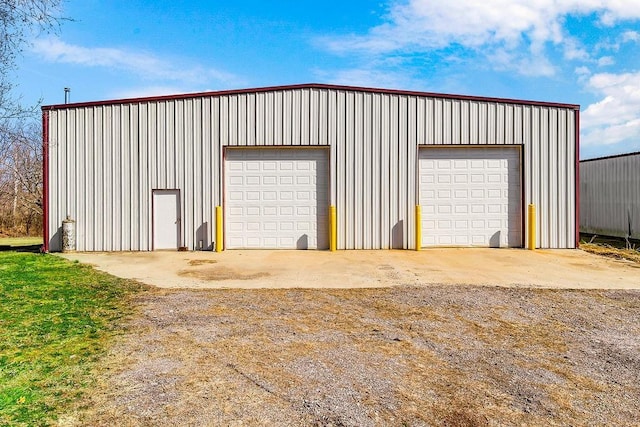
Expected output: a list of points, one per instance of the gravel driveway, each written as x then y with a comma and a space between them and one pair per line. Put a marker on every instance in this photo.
431, 355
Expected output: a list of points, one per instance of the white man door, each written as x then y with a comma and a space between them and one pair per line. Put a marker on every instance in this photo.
166, 219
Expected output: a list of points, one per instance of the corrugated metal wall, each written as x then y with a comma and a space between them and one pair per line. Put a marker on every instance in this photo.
610, 196
105, 160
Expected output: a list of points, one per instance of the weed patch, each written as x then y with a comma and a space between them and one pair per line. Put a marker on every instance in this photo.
604, 249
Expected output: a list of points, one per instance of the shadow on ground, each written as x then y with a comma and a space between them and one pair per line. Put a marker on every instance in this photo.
27, 248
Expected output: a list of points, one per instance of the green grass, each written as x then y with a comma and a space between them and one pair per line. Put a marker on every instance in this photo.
56, 319
20, 241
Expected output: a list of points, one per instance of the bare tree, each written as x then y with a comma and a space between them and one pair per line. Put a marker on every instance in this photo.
19, 21
20, 141
21, 180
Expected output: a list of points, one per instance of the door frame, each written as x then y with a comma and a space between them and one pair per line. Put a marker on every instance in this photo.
175, 191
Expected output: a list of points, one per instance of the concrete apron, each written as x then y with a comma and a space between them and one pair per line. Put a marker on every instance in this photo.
250, 269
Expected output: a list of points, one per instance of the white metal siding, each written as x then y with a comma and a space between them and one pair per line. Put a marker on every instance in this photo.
610, 196
105, 160
276, 198
471, 196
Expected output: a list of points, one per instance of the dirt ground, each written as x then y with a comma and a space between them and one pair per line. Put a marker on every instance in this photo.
368, 269
400, 356
407, 345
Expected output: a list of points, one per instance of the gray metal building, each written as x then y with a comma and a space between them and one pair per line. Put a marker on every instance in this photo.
146, 174
610, 196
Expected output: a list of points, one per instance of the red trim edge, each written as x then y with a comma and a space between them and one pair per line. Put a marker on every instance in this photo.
45, 180
577, 154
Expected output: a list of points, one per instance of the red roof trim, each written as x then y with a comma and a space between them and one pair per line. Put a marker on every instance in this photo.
307, 86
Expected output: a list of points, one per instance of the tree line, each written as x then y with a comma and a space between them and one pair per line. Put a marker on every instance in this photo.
20, 130
21, 178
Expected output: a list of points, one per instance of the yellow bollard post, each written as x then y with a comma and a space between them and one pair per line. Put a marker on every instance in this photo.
531, 232
418, 227
219, 244
333, 232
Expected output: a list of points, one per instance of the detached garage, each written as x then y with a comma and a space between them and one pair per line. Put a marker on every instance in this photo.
308, 166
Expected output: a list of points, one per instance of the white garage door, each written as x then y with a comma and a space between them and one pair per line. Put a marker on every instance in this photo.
471, 196
276, 198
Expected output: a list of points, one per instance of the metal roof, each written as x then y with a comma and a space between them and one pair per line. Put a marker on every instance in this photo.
309, 86
611, 157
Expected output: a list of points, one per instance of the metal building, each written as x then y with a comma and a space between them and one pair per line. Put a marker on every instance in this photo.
610, 196
147, 174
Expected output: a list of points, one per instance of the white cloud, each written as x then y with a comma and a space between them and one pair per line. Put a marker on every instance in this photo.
535, 65
614, 45
368, 77
606, 60
145, 91
144, 64
582, 71
630, 36
616, 117
573, 50
521, 28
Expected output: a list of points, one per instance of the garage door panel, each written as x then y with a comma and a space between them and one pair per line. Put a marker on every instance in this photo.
285, 207
470, 196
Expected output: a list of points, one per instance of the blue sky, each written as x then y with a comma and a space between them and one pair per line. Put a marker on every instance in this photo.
583, 52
